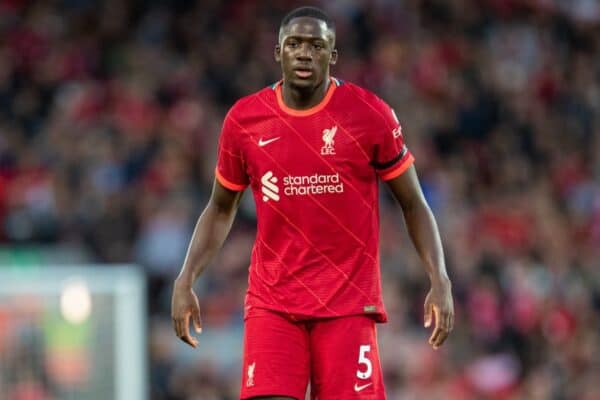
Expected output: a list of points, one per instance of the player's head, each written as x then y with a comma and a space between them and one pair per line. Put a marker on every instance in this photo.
306, 47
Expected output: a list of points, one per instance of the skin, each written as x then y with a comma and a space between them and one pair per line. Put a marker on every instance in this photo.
307, 44
424, 234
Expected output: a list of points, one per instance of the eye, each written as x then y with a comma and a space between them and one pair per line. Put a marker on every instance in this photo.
318, 46
293, 44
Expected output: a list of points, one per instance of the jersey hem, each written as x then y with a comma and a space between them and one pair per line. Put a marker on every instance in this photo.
379, 316
229, 185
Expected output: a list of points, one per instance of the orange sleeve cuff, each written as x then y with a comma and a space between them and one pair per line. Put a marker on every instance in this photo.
229, 185
399, 169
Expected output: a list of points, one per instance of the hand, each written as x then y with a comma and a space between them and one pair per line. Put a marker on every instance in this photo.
184, 305
439, 303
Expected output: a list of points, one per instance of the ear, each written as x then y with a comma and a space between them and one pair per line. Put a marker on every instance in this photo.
334, 57
277, 53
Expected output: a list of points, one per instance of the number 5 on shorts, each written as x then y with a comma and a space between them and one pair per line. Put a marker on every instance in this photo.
362, 359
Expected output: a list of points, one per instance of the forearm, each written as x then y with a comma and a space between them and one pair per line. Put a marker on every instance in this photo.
425, 236
210, 232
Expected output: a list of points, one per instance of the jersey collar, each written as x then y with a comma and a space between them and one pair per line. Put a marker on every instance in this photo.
333, 84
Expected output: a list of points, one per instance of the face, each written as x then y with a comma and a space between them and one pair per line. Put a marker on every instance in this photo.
305, 52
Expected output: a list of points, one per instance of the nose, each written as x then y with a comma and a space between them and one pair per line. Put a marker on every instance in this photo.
304, 52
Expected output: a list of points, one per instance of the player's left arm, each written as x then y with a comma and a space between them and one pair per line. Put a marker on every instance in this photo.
426, 239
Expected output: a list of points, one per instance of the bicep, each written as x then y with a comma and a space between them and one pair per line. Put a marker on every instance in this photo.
226, 201
406, 188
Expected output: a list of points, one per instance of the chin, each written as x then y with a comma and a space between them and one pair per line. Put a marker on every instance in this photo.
303, 83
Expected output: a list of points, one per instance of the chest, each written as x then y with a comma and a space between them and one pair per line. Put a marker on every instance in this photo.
304, 146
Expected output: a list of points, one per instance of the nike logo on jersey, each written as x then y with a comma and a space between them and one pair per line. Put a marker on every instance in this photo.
262, 142
362, 387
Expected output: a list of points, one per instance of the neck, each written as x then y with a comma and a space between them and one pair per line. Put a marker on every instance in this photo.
304, 98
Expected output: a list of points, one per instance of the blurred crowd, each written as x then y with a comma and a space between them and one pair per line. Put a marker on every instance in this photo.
110, 113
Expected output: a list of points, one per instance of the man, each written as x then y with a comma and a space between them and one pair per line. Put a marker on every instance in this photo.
312, 147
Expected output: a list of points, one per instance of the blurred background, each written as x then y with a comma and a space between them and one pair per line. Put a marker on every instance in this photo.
110, 113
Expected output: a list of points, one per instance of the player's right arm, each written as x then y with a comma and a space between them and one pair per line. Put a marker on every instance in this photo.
212, 227
211, 230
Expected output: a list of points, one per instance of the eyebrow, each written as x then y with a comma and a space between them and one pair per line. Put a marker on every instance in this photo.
328, 38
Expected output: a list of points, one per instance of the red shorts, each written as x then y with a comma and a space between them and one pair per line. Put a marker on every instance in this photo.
338, 356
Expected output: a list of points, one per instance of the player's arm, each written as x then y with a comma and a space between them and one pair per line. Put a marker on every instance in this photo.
209, 234
426, 238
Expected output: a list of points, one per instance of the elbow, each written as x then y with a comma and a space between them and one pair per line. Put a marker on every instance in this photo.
415, 204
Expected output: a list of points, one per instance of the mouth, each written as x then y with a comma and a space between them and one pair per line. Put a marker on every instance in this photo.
303, 73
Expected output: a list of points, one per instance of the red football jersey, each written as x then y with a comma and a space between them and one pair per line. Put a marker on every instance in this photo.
314, 177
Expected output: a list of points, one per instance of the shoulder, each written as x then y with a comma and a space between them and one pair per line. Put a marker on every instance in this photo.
373, 105
359, 93
250, 104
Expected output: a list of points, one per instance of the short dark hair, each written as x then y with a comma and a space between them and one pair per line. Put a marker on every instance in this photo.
312, 12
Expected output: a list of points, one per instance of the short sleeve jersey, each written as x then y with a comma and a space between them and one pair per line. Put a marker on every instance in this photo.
314, 175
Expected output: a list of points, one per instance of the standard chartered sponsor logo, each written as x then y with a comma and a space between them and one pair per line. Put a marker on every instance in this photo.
269, 187
301, 185
312, 184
